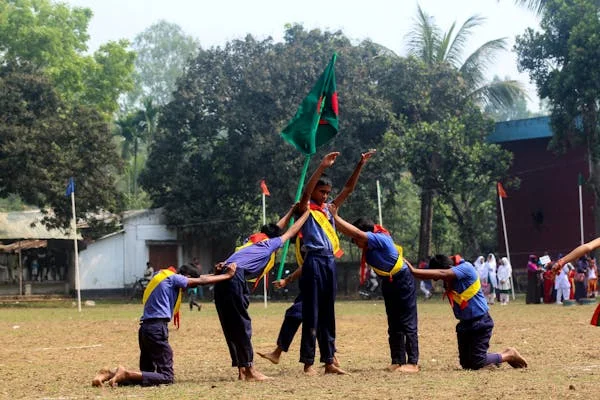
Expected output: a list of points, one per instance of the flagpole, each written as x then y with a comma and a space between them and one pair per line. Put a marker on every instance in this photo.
580, 207
297, 199
74, 230
379, 202
512, 284
266, 277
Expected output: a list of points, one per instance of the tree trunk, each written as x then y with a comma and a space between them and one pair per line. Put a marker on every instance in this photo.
426, 224
466, 226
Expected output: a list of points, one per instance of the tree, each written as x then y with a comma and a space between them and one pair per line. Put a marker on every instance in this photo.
220, 134
518, 110
52, 37
163, 51
562, 60
44, 141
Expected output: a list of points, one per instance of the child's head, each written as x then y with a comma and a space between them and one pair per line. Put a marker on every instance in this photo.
271, 230
364, 224
189, 271
322, 190
440, 261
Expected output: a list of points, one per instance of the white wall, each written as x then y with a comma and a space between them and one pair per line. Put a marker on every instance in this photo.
101, 264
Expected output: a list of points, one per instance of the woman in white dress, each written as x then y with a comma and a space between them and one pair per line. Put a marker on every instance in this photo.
504, 280
490, 265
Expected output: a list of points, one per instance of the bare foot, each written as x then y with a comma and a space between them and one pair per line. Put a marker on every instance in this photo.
309, 370
513, 358
272, 356
119, 376
332, 369
241, 375
102, 376
253, 375
408, 368
392, 367
336, 362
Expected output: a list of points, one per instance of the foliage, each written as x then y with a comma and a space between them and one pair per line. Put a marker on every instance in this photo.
44, 141
518, 109
220, 134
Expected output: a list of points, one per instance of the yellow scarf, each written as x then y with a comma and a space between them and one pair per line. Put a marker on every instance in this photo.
321, 219
256, 238
462, 299
397, 267
154, 282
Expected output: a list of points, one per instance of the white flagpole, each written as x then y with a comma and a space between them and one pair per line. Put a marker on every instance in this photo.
379, 202
581, 212
265, 278
74, 230
512, 283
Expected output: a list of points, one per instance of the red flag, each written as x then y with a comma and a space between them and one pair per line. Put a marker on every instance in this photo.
265, 189
594, 320
501, 191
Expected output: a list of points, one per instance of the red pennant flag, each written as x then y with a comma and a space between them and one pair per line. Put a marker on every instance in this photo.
501, 191
265, 189
594, 320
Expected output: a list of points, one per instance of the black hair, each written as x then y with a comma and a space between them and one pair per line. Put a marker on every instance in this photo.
271, 230
440, 261
364, 224
189, 270
324, 180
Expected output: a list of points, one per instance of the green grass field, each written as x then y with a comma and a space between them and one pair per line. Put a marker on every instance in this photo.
51, 351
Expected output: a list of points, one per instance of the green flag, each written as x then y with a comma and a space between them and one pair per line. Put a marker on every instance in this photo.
316, 121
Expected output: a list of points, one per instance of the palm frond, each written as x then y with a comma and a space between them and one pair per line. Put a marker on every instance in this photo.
536, 6
473, 69
499, 94
455, 50
423, 38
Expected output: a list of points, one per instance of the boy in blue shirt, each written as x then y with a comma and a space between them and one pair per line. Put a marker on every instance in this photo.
474, 329
232, 296
162, 298
397, 287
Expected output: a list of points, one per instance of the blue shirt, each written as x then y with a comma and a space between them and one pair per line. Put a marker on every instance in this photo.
252, 259
465, 276
381, 251
162, 300
313, 236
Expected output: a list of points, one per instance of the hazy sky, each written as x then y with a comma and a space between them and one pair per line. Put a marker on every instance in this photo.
214, 22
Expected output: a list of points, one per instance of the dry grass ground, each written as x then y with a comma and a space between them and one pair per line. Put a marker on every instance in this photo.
52, 352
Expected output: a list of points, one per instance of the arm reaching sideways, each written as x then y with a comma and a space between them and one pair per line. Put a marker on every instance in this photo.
327, 162
576, 253
281, 283
360, 237
294, 229
286, 218
435, 274
351, 182
210, 279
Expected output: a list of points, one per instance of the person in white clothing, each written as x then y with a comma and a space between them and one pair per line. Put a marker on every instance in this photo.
503, 275
490, 266
562, 284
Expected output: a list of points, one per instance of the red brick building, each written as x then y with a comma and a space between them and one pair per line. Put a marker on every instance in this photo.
542, 214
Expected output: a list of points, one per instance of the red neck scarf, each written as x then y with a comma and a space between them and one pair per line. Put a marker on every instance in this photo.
257, 237
363, 258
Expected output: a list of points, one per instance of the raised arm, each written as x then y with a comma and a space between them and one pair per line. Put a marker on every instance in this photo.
286, 218
576, 253
327, 162
351, 182
211, 279
294, 229
360, 237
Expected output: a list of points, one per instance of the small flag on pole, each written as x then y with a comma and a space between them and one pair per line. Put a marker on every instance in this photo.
501, 191
264, 188
70, 187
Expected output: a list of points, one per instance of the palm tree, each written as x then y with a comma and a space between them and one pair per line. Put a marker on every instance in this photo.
534, 5
427, 42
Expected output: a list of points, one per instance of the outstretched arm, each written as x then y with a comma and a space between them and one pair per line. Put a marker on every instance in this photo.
210, 279
351, 182
576, 253
286, 218
444, 274
360, 237
327, 162
294, 229
281, 283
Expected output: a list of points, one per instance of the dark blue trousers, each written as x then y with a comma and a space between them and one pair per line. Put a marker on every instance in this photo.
290, 325
401, 308
474, 341
156, 355
318, 285
231, 301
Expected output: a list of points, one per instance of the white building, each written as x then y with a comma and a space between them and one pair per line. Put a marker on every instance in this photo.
117, 260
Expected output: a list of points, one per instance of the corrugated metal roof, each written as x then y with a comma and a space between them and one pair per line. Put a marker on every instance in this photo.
18, 225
